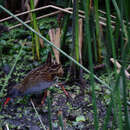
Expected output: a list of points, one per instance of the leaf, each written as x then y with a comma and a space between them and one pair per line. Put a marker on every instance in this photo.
80, 118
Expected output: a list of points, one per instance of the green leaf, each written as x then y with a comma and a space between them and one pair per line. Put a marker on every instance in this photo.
80, 118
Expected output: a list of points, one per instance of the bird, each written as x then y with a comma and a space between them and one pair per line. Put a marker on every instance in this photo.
37, 80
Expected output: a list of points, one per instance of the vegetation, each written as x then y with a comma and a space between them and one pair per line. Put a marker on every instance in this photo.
95, 57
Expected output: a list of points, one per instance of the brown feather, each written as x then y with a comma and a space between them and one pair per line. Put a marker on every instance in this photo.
38, 79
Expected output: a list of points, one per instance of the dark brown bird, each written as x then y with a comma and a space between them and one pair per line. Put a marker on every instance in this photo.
37, 80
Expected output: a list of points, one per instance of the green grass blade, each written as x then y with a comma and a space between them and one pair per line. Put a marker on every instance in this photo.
124, 49
34, 21
60, 118
88, 40
76, 30
98, 39
116, 93
110, 29
9, 75
49, 111
108, 113
120, 18
75, 34
64, 30
127, 120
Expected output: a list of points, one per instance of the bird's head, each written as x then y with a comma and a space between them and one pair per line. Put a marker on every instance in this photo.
53, 68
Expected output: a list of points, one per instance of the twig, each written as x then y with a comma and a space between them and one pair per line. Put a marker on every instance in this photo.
119, 67
38, 18
38, 115
66, 10
7, 127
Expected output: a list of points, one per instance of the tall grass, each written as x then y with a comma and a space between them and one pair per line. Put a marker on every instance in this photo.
35, 38
118, 101
98, 38
75, 28
88, 40
116, 105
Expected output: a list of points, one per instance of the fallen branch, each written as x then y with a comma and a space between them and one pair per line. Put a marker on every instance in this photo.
117, 64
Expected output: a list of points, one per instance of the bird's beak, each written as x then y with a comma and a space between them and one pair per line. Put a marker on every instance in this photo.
7, 100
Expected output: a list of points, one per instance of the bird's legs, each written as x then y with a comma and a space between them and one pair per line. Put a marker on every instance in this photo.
44, 97
62, 87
